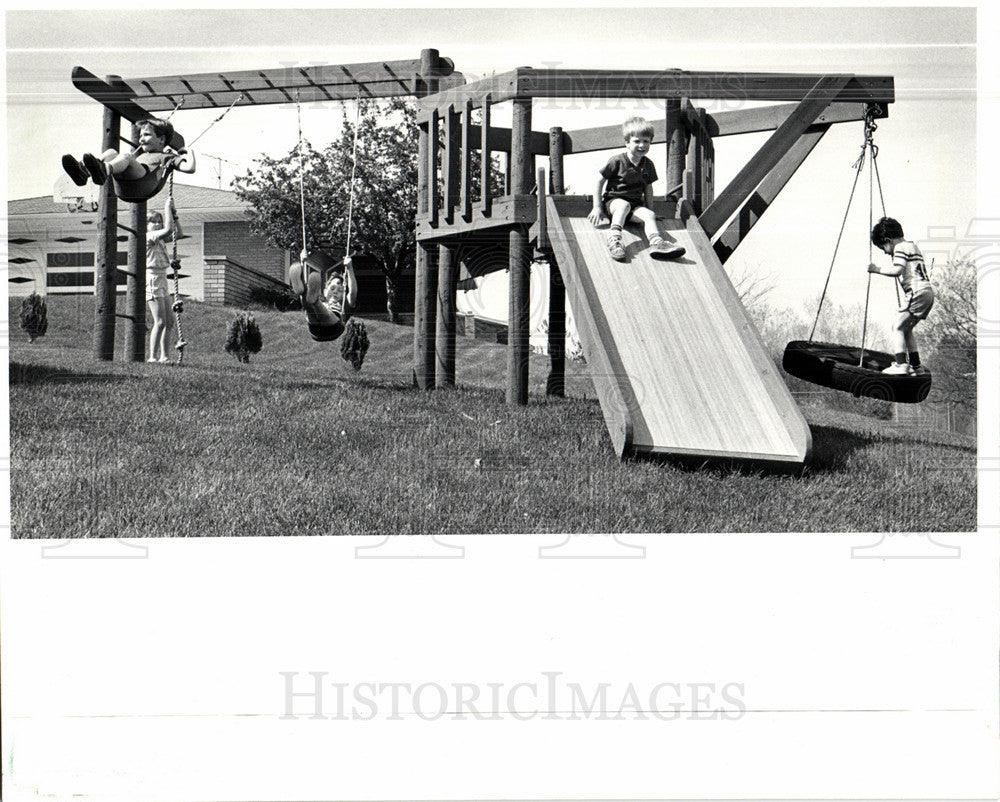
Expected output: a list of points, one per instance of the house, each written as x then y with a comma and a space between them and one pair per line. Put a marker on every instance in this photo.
52, 246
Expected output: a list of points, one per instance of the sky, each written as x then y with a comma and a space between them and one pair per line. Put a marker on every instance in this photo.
928, 146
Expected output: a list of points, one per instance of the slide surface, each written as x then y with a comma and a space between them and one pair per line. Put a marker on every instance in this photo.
676, 362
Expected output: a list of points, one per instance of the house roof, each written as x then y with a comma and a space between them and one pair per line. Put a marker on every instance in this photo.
187, 197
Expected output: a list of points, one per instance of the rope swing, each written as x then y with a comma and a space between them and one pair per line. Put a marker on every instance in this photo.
175, 265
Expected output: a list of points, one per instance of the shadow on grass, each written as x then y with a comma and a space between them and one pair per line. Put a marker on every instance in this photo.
47, 374
833, 447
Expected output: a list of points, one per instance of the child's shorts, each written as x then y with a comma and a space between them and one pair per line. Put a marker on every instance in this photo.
634, 204
156, 286
920, 303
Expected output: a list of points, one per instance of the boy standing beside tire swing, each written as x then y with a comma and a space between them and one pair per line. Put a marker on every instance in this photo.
909, 268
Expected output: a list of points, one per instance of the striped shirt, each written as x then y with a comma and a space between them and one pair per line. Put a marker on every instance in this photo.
908, 265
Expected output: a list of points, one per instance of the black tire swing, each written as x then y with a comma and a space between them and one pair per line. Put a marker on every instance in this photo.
855, 370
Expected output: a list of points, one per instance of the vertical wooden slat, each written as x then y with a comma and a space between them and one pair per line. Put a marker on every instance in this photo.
452, 162
466, 179
433, 144
486, 167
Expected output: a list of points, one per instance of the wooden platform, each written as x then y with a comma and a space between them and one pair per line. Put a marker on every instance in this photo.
676, 361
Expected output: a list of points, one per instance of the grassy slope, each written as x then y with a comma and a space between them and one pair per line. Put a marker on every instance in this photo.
297, 443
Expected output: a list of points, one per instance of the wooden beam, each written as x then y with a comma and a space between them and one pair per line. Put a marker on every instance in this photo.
330, 82
764, 196
673, 83
779, 143
497, 88
117, 99
768, 118
726, 123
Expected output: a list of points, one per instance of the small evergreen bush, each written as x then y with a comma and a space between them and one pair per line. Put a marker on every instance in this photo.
34, 316
244, 337
354, 345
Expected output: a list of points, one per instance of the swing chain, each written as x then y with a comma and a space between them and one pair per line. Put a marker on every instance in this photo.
871, 111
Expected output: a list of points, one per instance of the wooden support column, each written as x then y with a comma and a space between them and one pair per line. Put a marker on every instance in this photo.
676, 134
135, 293
556, 154
426, 278
444, 371
105, 287
555, 383
521, 165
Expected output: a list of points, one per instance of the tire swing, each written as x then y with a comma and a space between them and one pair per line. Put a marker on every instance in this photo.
851, 369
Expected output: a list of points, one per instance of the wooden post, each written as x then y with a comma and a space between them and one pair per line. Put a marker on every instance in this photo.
425, 279
444, 375
555, 383
452, 162
106, 270
521, 165
135, 292
556, 181
676, 147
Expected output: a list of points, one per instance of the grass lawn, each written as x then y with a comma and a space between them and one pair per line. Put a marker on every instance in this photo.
298, 443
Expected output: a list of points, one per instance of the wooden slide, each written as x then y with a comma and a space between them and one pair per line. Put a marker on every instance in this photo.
677, 364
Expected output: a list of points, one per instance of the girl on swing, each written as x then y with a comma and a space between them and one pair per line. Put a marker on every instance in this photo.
137, 174
909, 268
328, 296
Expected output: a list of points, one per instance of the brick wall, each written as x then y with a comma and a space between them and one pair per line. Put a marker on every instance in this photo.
228, 282
234, 240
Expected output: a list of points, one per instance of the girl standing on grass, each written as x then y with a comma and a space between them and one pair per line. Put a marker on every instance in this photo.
159, 228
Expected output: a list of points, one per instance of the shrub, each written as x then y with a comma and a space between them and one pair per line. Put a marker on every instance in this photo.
354, 345
244, 337
280, 298
34, 317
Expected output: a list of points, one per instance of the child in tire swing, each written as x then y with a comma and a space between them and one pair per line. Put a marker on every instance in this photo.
909, 268
625, 189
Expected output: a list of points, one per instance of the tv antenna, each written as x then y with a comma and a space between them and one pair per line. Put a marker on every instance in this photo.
218, 165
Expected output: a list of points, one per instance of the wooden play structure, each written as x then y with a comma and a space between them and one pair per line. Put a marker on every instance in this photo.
676, 362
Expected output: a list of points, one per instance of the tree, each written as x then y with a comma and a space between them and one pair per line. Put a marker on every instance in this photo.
384, 191
951, 332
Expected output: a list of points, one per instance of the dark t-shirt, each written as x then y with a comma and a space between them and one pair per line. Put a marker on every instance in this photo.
627, 180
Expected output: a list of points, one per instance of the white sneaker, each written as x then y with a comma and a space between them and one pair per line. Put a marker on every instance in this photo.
898, 369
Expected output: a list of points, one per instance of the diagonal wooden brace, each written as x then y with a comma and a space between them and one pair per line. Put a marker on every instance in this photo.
763, 196
780, 142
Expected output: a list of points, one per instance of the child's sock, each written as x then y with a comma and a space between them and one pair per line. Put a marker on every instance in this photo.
900, 358
655, 240
614, 231
915, 359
